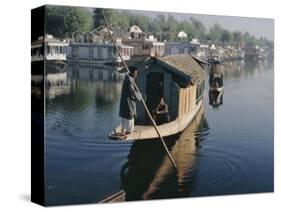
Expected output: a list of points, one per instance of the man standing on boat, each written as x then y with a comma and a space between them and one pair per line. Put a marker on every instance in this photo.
129, 96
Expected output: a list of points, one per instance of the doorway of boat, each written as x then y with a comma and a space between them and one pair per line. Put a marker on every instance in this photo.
154, 91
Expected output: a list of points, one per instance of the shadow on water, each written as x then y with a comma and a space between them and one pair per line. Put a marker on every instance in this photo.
149, 174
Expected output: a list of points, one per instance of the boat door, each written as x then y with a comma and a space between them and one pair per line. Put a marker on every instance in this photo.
154, 90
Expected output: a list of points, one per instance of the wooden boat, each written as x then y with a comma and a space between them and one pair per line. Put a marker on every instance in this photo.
116, 197
177, 78
216, 77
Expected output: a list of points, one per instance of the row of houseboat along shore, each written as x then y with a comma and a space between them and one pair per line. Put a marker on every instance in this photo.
96, 48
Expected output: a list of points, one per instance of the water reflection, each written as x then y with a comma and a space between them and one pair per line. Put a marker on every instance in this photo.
149, 174
245, 68
83, 84
83, 165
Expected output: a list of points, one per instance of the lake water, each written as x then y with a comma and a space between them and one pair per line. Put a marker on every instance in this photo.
227, 150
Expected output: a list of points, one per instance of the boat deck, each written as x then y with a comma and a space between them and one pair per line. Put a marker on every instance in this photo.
143, 132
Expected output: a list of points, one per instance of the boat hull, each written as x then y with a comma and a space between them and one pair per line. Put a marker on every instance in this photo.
145, 132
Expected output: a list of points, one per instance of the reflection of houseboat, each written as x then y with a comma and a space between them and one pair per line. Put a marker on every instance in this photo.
177, 78
55, 84
160, 174
52, 50
256, 53
94, 73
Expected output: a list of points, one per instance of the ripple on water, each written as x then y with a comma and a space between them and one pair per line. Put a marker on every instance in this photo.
217, 170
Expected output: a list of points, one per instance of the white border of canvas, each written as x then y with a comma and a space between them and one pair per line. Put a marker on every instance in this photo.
15, 105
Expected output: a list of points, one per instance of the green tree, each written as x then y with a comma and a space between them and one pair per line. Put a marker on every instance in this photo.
61, 21
99, 19
249, 41
198, 28
226, 36
237, 38
215, 33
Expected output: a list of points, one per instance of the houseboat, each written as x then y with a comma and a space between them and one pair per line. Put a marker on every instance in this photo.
144, 45
180, 80
198, 50
50, 49
172, 48
98, 53
194, 44
215, 54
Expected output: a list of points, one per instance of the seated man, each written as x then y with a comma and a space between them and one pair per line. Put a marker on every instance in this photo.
162, 113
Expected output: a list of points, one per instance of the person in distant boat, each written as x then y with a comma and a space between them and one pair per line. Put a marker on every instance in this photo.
129, 96
162, 112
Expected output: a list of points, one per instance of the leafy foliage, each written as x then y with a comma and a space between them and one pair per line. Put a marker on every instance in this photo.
62, 21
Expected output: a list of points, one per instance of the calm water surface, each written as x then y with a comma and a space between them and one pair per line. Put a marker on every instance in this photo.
228, 149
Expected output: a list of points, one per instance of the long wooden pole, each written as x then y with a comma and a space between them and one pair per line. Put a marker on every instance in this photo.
142, 100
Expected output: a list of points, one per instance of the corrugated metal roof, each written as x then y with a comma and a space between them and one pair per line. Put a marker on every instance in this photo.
183, 65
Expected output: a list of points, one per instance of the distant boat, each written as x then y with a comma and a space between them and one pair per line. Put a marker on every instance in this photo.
216, 85
216, 77
50, 50
54, 49
180, 79
98, 53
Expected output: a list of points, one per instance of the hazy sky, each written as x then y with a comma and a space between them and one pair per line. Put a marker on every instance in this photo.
255, 26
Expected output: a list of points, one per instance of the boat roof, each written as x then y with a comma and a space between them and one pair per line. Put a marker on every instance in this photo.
185, 66
50, 42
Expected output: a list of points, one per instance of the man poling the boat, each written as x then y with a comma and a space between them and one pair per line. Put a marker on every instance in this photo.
129, 96
142, 100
